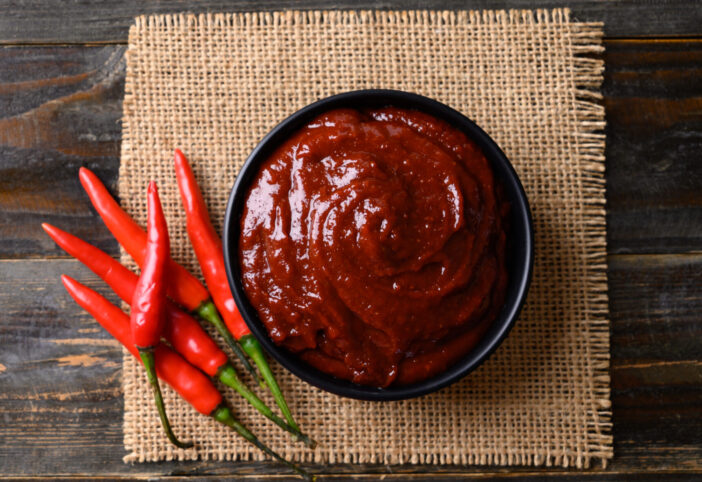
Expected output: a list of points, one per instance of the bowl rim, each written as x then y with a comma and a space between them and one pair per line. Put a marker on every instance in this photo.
519, 207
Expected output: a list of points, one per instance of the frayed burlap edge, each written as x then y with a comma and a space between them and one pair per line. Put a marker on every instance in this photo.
590, 116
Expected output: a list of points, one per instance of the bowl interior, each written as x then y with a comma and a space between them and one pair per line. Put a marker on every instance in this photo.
520, 244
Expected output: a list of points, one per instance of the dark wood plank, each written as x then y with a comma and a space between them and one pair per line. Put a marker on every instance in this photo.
60, 374
61, 396
653, 101
60, 109
36, 21
656, 344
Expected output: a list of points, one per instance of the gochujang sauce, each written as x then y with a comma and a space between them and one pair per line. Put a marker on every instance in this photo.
372, 245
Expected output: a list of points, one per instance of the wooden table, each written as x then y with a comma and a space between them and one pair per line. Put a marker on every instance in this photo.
61, 87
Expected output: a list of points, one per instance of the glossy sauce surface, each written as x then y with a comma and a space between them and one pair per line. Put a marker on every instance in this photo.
373, 245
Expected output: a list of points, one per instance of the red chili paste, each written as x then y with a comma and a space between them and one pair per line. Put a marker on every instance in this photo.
373, 245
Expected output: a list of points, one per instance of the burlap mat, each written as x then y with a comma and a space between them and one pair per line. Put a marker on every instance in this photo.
213, 85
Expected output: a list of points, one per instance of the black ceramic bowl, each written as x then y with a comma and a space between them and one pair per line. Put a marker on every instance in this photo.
520, 244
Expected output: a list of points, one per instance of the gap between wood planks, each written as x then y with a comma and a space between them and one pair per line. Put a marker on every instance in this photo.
102, 43
384, 475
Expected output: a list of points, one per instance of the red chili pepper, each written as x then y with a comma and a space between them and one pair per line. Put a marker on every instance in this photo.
188, 381
185, 379
208, 249
182, 331
183, 287
149, 301
148, 319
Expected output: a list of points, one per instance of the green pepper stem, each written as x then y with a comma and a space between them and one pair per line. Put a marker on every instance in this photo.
227, 374
208, 312
254, 350
223, 415
147, 358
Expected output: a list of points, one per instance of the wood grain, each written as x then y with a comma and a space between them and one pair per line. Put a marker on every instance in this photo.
68, 419
60, 109
656, 368
653, 102
56, 21
61, 376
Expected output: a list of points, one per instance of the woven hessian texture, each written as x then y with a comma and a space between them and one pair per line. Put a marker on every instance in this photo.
215, 84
